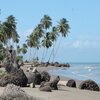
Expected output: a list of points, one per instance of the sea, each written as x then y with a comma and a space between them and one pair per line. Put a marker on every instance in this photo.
80, 71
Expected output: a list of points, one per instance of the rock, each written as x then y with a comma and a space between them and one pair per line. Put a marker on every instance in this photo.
71, 83
45, 76
52, 84
17, 77
45, 88
13, 92
89, 85
31, 77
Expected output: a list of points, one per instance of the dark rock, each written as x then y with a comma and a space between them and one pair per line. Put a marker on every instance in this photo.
66, 65
45, 76
33, 77
71, 83
30, 76
58, 65
52, 84
37, 78
17, 77
89, 85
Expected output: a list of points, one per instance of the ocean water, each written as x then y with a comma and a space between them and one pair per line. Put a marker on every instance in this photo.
80, 71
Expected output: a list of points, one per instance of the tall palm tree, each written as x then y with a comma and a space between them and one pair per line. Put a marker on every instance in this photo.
46, 22
10, 28
2, 34
46, 43
63, 28
53, 36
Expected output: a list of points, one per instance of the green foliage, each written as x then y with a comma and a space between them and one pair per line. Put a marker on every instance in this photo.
20, 58
24, 50
2, 52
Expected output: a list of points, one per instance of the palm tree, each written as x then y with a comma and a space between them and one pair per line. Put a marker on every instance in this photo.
53, 36
46, 22
46, 43
10, 28
63, 28
23, 50
18, 50
38, 31
2, 34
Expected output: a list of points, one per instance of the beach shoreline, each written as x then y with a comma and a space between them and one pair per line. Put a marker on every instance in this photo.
62, 93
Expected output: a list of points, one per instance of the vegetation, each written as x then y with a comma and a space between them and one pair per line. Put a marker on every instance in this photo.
44, 35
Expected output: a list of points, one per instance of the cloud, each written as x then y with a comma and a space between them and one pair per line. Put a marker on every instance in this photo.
86, 44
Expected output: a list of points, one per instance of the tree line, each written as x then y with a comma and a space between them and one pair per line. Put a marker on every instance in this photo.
45, 35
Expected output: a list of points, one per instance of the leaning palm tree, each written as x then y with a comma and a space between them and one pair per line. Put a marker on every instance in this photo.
10, 28
53, 37
46, 22
63, 28
46, 43
2, 35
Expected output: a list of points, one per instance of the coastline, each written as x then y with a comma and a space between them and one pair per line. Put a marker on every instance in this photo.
62, 93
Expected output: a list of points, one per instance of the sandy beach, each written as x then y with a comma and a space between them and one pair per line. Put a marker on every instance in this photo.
63, 92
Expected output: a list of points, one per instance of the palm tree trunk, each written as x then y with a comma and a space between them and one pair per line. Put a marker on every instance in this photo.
58, 47
53, 53
54, 44
30, 55
43, 55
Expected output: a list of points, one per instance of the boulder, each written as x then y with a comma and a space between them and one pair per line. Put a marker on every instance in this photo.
33, 77
45, 76
89, 85
52, 84
71, 83
17, 77
12, 92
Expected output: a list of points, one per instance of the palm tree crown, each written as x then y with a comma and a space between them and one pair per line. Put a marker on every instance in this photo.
63, 27
46, 22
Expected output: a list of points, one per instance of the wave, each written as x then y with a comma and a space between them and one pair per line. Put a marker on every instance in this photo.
81, 72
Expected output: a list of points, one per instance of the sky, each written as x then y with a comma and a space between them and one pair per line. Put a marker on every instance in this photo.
83, 41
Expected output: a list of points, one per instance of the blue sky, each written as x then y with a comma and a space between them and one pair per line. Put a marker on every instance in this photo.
83, 41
